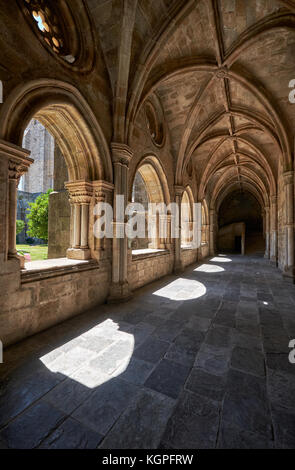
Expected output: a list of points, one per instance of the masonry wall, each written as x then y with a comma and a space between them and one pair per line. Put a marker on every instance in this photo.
41, 144
37, 305
188, 257
145, 270
204, 251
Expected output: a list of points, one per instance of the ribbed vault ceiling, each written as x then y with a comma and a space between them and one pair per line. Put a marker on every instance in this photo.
221, 70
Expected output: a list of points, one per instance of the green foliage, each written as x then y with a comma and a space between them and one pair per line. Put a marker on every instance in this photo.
38, 217
20, 225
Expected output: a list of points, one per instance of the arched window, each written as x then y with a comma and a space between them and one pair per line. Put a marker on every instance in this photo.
186, 221
205, 225
48, 235
148, 192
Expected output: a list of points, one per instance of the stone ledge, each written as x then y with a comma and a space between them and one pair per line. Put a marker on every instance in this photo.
49, 271
148, 253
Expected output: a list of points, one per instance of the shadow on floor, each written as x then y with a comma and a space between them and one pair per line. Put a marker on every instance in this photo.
195, 361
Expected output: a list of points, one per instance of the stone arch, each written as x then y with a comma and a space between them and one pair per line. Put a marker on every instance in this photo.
156, 186
155, 179
62, 109
186, 216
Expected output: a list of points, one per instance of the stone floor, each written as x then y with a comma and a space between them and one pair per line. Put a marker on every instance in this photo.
197, 361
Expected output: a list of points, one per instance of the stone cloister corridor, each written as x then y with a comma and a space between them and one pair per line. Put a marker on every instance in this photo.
176, 367
147, 224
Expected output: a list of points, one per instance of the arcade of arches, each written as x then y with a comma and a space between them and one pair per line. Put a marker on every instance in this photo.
159, 101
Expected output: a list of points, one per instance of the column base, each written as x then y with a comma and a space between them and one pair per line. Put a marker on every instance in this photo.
178, 268
119, 293
79, 253
289, 274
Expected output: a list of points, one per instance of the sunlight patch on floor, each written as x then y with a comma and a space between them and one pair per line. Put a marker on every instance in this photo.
94, 357
182, 289
221, 259
209, 268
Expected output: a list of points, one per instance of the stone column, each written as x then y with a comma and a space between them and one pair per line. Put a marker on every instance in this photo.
212, 235
103, 192
80, 193
177, 240
273, 229
289, 224
120, 290
267, 232
18, 164
168, 233
77, 225
14, 162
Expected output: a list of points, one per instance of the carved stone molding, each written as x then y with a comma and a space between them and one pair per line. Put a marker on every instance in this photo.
121, 154
221, 73
19, 160
102, 190
80, 192
179, 190
288, 177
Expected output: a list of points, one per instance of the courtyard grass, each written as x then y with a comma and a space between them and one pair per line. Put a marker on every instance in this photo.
37, 252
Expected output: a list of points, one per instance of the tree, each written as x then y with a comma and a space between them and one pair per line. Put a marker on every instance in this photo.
20, 225
38, 217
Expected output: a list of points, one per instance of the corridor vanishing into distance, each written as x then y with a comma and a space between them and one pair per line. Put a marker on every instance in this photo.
195, 361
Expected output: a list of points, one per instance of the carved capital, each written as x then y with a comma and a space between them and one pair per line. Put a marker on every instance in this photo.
80, 192
18, 159
16, 169
179, 190
273, 199
121, 154
102, 190
288, 177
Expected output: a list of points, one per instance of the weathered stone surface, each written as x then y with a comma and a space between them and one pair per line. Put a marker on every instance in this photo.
249, 361
208, 385
71, 434
151, 350
212, 359
137, 371
168, 378
246, 404
29, 429
235, 438
142, 424
105, 405
117, 379
193, 424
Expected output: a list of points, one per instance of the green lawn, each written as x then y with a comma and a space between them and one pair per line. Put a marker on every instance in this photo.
37, 252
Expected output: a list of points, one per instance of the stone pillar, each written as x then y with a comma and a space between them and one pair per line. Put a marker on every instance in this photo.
212, 235
77, 225
120, 290
267, 233
273, 229
289, 224
17, 167
59, 210
14, 162
177, 241
103, 192
80, 193
168, 233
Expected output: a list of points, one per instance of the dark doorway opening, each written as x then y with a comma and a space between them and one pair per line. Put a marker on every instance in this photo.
241, 206
238, 244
